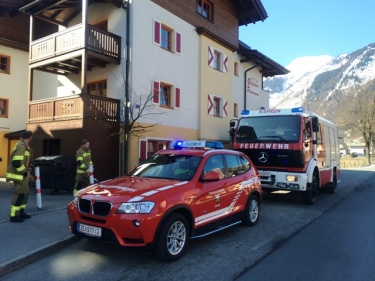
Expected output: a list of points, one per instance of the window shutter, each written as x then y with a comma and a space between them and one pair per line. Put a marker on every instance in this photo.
177, 98
157, 32
210, 104
225, 65
178, 43
211, 52
225, 104
142, 150
156, 92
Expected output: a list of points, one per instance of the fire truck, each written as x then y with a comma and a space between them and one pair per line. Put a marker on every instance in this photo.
293, 149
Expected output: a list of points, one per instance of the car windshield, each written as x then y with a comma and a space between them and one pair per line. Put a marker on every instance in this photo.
168, 166
269, 129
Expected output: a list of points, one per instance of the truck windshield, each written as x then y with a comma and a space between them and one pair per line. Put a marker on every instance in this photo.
269, 129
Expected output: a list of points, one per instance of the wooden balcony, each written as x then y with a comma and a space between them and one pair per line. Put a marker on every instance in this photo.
74, 107
101, 46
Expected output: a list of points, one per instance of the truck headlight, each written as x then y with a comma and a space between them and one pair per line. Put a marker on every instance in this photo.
291, 178
136, 208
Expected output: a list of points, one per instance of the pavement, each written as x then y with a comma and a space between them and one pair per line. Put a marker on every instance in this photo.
46, 232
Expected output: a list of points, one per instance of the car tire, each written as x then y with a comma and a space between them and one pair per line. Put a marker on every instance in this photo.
309, 196
332, 186
172, 238
251, 214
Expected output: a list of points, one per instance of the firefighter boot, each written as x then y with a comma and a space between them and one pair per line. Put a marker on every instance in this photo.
16, 219
23, 215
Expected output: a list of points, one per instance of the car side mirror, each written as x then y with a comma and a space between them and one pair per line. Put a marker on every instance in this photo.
211, 176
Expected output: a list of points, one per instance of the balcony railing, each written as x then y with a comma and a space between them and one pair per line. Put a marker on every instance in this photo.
72, 38
74, 107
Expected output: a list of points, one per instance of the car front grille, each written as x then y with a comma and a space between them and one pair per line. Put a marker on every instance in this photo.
96, 208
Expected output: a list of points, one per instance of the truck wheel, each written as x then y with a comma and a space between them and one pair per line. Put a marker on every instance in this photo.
172, 238
251, 214
332, 186
309, 196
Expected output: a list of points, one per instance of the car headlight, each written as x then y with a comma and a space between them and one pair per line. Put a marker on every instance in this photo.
75, 200
136, 208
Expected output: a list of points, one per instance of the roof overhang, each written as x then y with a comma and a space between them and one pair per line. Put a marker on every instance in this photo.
60, 11
249, 11
269, 67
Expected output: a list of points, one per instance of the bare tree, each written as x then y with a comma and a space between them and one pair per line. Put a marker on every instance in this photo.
360, 115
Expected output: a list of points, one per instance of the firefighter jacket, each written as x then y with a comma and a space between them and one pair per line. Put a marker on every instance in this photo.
83, 158
20, 161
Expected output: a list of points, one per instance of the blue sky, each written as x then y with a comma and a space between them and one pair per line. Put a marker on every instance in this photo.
297, 28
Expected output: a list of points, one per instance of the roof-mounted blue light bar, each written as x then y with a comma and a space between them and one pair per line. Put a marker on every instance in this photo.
198, 144
298, 109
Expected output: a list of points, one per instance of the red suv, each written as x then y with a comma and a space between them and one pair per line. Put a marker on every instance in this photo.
190, 191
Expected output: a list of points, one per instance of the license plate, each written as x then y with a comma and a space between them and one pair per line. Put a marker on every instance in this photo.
89, 230
264, 174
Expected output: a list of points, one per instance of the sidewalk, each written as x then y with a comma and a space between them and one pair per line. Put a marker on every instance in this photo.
45, 232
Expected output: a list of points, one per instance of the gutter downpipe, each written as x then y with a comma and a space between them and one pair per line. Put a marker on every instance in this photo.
126, 6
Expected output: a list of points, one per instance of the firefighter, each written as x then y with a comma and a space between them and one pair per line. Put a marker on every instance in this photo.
83, 157
19, 166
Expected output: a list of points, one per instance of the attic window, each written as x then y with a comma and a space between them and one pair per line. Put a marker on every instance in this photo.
4, 64
206, 9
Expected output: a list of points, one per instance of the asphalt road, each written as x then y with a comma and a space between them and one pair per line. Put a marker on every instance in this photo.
339, 245
237, 252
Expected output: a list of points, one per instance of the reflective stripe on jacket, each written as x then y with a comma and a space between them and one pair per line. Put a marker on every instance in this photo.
22, 153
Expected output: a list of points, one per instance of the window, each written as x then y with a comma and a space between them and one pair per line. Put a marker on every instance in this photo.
205, 8
235, 109
166, 38
156, 145
216, 107
4, 64
98, 88
217, 60
4, 104
236, 68
165, 95
237, 165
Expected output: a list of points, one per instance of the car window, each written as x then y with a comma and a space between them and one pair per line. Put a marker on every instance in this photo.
245, 164
168, 166
235, 167
215, 163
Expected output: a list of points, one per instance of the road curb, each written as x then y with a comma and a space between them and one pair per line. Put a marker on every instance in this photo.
35, 255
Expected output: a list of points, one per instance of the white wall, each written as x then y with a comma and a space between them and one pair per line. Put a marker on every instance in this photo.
154, 63
14, 87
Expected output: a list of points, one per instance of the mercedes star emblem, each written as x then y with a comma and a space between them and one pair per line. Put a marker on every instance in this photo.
263, 157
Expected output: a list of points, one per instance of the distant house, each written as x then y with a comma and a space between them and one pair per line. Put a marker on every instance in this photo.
14, 59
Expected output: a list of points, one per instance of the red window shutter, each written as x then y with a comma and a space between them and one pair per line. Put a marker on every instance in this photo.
156, 92
157, 32
142, 151
177, 98
178, 43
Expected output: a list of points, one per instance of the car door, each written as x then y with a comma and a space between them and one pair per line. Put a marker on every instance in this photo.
217, 198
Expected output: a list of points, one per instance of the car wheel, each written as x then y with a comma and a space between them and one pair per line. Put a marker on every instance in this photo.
332, 186
251, 211
172, 238
309, 196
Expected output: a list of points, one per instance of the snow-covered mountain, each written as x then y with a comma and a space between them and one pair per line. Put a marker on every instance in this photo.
321, 83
